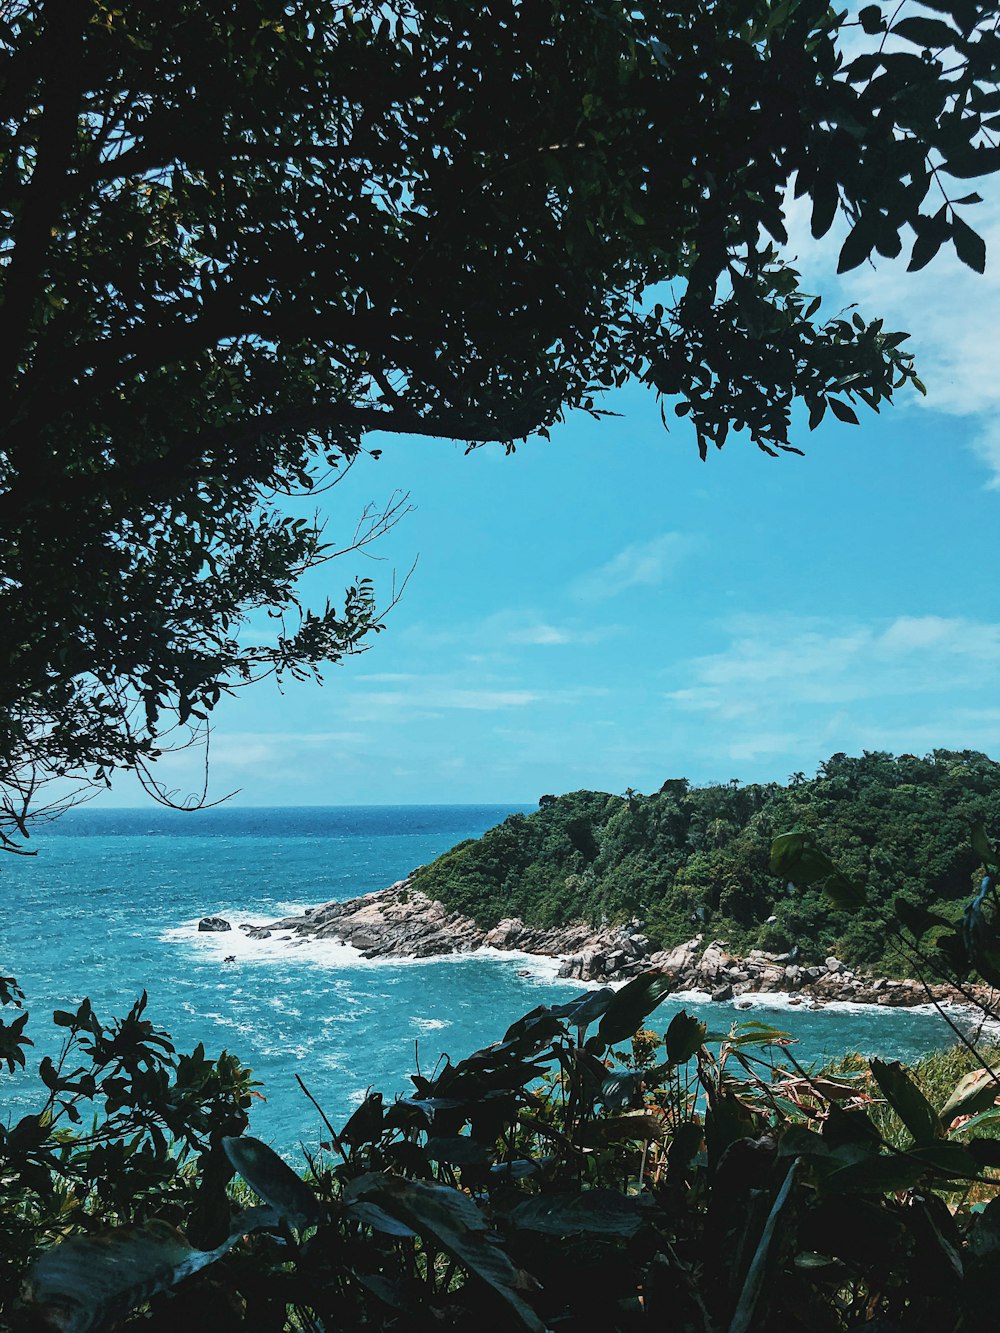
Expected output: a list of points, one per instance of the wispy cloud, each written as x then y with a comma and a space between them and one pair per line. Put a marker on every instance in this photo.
786, 686
547, 636
774, 661
640, 565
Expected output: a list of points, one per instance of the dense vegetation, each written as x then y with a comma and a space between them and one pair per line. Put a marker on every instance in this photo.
686, 860
585, 1172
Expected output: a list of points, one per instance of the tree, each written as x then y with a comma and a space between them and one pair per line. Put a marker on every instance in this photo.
234, 240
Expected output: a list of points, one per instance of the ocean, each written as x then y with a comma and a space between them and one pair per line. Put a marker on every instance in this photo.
110, 907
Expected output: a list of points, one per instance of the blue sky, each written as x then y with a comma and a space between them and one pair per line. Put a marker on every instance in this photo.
606, 611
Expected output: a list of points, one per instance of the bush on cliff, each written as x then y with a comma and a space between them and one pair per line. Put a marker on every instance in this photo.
687, 860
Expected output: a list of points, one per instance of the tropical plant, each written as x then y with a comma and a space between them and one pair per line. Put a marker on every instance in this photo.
585, 1171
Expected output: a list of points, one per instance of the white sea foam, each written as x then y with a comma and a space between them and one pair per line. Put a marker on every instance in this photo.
236, 947
430, 1024
782, 1000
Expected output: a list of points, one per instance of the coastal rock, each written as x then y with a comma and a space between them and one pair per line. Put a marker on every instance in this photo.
679, 961
713, 961
216, 923
403, 922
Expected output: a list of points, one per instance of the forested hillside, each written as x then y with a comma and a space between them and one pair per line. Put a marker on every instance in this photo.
688, 859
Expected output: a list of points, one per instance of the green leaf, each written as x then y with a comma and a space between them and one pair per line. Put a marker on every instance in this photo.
931, 34
454, 1223
635, 1127
458, 1150
907, 1100
931, 235
974, 1092
859, 244
969, 245
594, 1212
87, 1282
630, 1005
796, 857
875, 1175
371, 1215
273, 1179
983, 847
756, 1273
684, 1038
917, 920
871, 19
985, 1152
842, 412
586, 1008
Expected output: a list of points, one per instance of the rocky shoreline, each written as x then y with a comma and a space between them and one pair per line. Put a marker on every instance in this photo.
402, 922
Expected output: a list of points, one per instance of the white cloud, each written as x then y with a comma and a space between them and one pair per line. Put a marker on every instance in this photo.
541, 635
986, 443
640, 565
779, 682
545, 636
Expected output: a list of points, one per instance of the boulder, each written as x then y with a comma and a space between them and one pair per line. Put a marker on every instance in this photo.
506, 934
614, 962
216, 923
721, 993
834, 964
678, 961
713, 961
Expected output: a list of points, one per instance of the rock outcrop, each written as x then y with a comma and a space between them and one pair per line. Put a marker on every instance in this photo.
402, 922
217, 923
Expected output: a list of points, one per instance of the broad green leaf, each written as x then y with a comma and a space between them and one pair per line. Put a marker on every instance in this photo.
684, 1038
756, 1273
273, 1179
87, 1282
630, 1005
454, 1223
586, 1009
796, 857
985, 1152
875, 1175
593, 1212
974, 1092
907, 1100
969, 245
917, 920
983, 846
948, 1158
371, 1215
932, 34
637, 1127
458, 1150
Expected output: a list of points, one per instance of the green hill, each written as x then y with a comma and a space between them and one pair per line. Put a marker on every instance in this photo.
688, 859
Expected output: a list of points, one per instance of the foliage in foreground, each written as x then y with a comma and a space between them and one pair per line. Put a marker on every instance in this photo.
688, 859
572, 1176
585, 1171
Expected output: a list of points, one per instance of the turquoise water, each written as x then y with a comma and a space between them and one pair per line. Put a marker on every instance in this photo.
111, 903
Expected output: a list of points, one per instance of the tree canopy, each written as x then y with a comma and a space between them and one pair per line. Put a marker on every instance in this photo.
234, 240
698, 859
